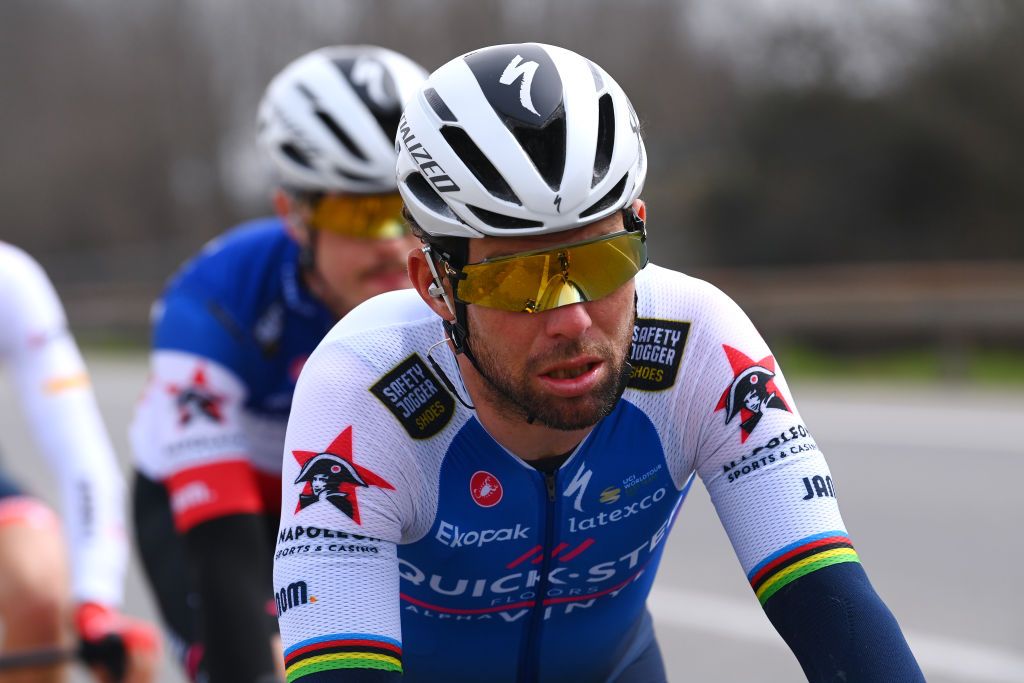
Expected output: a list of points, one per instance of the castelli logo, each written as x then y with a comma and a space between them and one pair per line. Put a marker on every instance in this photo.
485, 489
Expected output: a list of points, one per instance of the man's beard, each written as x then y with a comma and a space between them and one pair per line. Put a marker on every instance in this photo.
512, 393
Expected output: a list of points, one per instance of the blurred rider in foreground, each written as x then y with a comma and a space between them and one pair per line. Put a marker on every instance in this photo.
37, 599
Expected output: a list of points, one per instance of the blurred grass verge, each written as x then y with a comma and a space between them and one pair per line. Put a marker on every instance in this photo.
981, 366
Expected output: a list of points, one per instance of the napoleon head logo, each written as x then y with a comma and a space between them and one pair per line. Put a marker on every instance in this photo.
752, 391
331, 476
196, 400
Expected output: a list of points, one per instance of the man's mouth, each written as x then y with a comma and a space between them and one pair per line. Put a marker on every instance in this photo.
570, 373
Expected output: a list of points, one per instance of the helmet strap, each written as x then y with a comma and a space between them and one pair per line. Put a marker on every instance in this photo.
458, 329
307, 251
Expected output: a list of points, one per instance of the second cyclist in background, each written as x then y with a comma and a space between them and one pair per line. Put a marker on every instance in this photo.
230, 335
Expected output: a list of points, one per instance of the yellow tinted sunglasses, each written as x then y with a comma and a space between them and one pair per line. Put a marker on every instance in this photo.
536, 281
371, 216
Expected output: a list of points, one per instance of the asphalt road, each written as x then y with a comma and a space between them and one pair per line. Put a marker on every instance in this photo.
928, 482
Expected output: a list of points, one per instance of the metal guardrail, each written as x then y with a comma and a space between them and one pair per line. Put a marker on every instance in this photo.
883, 302
875, 303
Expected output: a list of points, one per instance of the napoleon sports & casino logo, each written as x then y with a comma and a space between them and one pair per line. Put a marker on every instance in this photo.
752, 391
331, 476
196, 399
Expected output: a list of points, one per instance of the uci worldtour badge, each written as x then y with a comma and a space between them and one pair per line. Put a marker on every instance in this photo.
656, 352
331, 476
414, 394
752, 391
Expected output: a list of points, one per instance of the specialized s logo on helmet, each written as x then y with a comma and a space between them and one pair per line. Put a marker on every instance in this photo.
370, 75
516, 69
752, 391
540, 87
331, 476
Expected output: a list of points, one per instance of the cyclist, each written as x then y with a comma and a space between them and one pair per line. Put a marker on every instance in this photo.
512, 440
231, 333
36, 596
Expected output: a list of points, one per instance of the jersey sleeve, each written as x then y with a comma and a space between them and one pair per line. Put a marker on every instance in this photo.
189, 429
53, 384
348, 485
767, 478
776, 498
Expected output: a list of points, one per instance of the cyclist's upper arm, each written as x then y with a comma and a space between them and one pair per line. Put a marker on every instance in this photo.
348, 495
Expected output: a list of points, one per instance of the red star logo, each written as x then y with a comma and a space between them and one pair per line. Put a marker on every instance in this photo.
196, 399
342, 491
750, 377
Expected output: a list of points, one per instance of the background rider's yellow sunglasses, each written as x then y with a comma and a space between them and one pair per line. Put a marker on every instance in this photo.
372, 216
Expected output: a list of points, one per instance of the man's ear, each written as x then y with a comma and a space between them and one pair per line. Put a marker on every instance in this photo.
286, 208
640, 207
423, 281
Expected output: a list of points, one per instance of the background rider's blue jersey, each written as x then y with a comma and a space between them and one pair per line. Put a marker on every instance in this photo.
241, 303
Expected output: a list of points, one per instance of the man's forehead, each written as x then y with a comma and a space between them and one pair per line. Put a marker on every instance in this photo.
492, 247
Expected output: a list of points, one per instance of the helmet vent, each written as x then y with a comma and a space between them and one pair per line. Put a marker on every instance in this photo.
342, 136
546, 147
605, 138
295, 154
352, 176
388, 121
439, 107
497, 220
421, 189
478, 164
608, 200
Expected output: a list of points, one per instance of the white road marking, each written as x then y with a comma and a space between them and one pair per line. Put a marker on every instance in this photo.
740, 620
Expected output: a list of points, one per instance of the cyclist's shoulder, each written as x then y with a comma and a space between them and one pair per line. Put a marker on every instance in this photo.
379, 314
662, 291
17, 266
380, 333
236, 275
384, 339
26, 293
236, 260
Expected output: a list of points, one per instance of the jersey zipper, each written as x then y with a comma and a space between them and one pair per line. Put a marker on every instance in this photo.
529, 668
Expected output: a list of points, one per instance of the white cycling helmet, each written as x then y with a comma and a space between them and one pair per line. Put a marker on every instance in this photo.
525, 139
328, 120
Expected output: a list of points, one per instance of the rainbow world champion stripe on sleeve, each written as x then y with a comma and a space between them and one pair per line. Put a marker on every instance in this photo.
799, 559
342, 651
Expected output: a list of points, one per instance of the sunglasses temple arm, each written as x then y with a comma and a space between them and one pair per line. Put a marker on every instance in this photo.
436, 290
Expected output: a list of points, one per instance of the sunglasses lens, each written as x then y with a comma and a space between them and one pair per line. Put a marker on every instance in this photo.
360, 216
556, 277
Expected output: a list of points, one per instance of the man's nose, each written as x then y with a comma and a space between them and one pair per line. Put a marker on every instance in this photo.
567, 321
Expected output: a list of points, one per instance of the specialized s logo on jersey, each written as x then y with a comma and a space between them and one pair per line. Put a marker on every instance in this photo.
752, 391
196, 400
331, 476
414, 394
656, 352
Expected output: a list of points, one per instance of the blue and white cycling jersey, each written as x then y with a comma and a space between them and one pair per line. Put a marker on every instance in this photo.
231, 333
412, 541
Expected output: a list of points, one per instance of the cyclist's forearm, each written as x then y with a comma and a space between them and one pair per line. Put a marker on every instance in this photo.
839, 628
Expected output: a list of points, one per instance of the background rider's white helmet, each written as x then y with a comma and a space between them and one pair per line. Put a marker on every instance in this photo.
328, 120
521, 139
